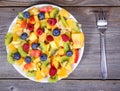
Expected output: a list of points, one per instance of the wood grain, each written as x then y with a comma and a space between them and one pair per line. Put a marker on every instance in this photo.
64, 85
60, 2
89, 68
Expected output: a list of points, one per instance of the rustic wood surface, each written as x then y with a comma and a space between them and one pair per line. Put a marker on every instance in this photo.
86, 76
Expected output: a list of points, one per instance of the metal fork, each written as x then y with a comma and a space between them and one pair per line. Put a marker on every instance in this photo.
101, 22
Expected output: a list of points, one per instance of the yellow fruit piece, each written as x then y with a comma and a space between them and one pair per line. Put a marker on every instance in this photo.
36, 18
60, 51
34, 11
33, 37
42, 37
64, 13
36, 26
78, 40
11, 47
16, 28
39, 75
57, 40
47, 15
53, 45
69, 67
36, 60
55, 63
15, 37
20, 61
73, 57
45, 71
19, 21
62, 73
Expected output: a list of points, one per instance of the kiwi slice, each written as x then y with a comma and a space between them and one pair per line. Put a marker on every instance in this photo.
8, 38
53, 79
10, 58
21, 51
31, 73
54, 12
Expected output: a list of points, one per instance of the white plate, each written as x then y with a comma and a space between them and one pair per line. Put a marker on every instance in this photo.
20, 70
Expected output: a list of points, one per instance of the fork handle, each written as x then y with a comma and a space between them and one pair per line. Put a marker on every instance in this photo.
103, 56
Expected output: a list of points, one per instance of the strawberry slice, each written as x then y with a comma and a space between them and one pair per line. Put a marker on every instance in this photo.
65, 38
52, 71
26, 47
46, 9
52, 21
30, 27
76, 56
35, 53
39, 31
49, 38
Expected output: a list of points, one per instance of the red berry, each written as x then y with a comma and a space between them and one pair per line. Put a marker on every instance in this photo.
30, 27
52, 71
25, 47
65, 38
39, 31
52, 21
49, 38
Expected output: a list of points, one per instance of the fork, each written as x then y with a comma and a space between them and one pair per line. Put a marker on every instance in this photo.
101, 22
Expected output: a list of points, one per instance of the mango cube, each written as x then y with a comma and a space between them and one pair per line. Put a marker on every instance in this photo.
78, 40
64, 13
53, 45
39, 75
33, 37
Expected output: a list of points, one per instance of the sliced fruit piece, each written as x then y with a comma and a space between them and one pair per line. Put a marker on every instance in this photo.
52, 21
43, 23
65, 38
28, 66
42, 37
54, 12
39, 31
15, 37
63, 21
24, 24
45, 71
72, 24
61, 51
36, 60
21, 51
66, 47
58, 40
31, 73
53, 45
47, 15
31, 20
10, 58
34, 11
20, 15
45, 63
8, 38
78, 40
43, 47
20, 61
11, 47
33, 37
55, 63
46, 9
52, 71
64, 13
49, 38
76, 56
35, 53
30, 27
69, 67
36, 26
39, 75
62, 73
53, 79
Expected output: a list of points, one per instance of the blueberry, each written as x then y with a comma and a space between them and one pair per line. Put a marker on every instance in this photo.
41, 15
43, 57
56, 32
27, 59
35, 45
17, 56
69, 53
26, 14
24, 36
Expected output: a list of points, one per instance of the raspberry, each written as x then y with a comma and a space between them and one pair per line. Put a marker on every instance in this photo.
49, 38
30, 27
25, 47
52, 21
65, 38
39, 31
52, 71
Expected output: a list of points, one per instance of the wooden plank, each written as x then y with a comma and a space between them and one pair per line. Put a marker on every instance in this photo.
61, 2
84, 16
64, 85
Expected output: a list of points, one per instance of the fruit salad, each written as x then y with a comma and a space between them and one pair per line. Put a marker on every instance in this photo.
45, 43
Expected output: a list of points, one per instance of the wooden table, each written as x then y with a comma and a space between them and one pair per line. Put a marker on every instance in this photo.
87, 75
